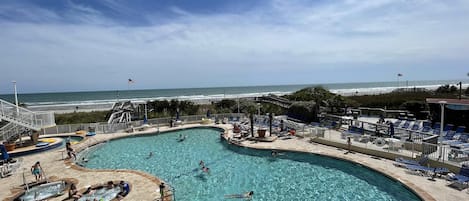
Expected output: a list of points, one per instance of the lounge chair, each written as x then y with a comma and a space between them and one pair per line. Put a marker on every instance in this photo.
415, 127
406, 125
463, 138
460, 181
426, 170
401, 162
426, 129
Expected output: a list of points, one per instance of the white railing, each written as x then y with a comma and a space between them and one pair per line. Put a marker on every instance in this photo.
25, 117
8, 130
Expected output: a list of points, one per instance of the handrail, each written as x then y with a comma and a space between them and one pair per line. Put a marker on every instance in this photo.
19, 117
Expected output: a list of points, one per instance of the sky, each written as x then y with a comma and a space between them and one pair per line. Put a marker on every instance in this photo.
83, 45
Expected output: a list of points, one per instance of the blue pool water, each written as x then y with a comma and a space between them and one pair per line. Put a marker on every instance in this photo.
234, 170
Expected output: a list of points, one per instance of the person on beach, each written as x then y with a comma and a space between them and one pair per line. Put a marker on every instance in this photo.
36, 170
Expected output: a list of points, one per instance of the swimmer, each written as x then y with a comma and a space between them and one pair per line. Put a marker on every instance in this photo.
247, 195
201, 163
181, 138
205, 169
84, 160
150, 155
274, 153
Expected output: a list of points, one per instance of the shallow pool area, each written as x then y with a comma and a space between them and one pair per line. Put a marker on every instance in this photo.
103, 194
43, 191
235, 170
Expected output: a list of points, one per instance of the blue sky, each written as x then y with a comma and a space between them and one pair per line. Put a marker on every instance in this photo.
66, 45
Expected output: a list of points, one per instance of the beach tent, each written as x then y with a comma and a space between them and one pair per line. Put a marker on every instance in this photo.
4, 152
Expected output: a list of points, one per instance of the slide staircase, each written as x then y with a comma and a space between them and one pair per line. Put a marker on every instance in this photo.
21, 120
121, 112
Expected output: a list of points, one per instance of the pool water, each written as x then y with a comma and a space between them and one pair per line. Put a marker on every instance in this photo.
235, 170
101, 194
72, 139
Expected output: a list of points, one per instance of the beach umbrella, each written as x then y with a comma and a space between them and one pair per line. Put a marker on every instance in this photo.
4, 152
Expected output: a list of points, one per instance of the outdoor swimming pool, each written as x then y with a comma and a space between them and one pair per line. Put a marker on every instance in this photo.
234, 170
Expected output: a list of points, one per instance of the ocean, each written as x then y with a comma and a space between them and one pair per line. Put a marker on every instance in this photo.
100, 99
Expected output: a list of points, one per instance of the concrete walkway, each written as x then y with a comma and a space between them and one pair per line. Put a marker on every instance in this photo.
144, 186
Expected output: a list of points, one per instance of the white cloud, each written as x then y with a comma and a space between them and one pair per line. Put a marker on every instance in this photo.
288, 35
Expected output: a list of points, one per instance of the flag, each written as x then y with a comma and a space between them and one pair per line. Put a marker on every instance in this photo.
399, 74
130, 81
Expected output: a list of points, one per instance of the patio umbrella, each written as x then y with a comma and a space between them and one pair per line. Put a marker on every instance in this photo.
4, 152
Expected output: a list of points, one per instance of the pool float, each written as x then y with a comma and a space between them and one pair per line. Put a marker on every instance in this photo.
42, 144
48, 140
80, 132
91, 134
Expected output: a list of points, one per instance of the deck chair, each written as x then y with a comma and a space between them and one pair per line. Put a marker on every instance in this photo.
422, 170
401, 162
460, 181
406, 125
462, 139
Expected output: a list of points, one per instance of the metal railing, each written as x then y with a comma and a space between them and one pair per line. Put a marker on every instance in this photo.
104, 127
21, 118
25, 117
12, 130
436, 152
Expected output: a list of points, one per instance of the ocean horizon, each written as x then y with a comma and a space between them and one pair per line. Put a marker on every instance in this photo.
211, 93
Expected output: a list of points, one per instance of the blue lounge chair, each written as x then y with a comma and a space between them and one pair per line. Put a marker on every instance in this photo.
406, 125
402, 161
463, 138
425, 169
437, 126
461, 179
415, 127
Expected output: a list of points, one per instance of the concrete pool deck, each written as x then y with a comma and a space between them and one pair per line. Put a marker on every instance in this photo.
144, 186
